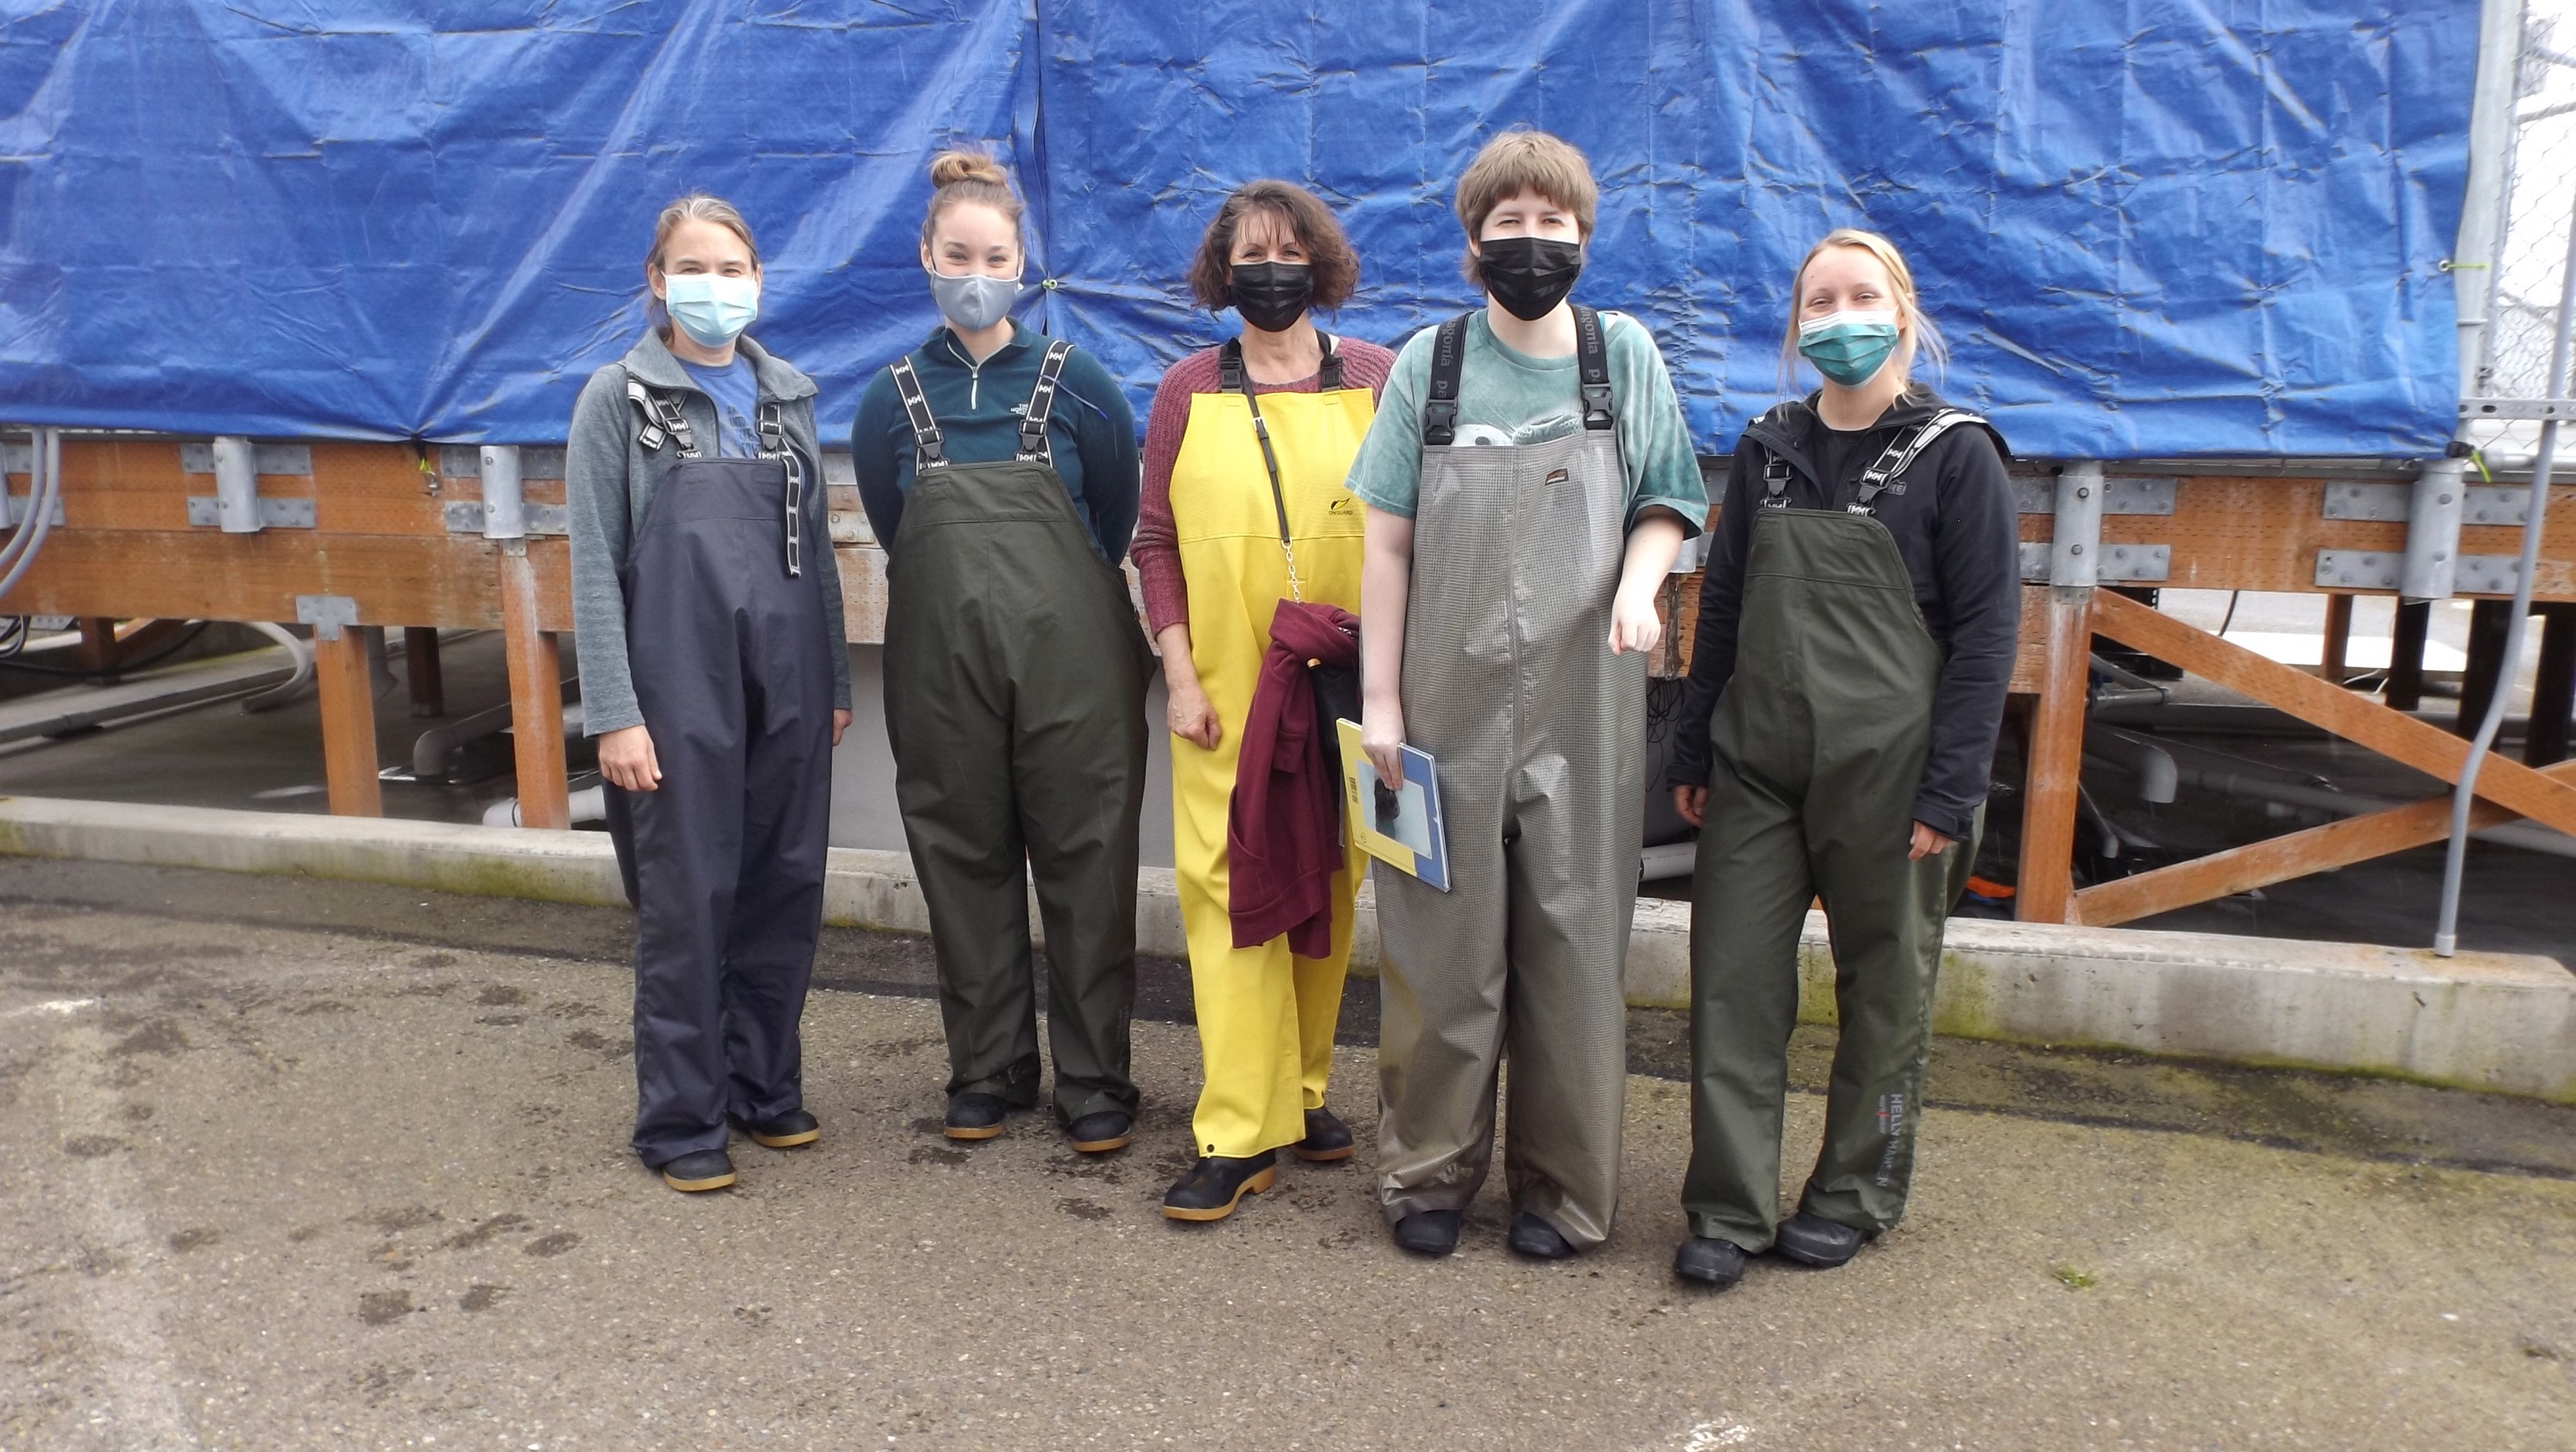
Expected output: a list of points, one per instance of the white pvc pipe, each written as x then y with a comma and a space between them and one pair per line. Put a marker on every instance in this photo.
285, 691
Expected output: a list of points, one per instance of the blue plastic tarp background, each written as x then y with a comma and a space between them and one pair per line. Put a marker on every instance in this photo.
2149, 229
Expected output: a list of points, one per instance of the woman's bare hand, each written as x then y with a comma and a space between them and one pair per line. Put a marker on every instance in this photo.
1191, 717
1692, 803
1382, 737
626, 758
1927, 843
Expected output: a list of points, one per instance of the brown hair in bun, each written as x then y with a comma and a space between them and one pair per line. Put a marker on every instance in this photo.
968, 176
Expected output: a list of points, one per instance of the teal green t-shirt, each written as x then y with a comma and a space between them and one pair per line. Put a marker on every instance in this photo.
1506, 396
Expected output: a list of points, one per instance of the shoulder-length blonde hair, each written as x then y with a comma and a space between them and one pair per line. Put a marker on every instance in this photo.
1921, 336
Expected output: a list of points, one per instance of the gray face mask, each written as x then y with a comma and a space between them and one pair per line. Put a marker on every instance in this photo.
974, 302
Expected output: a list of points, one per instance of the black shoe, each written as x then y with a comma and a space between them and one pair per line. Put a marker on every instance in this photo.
1816, 1241
785, 1131
1214, 1186
974, 1116
705, 1170
1535, 1238
1710, 1262
1428, 1232
1327, 1138
1101, 1131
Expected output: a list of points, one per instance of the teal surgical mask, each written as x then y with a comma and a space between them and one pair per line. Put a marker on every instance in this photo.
1849, 347
712, 310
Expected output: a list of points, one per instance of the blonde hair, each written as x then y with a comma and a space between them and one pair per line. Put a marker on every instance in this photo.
1522, 160
1920, 333
698, 207
969, 176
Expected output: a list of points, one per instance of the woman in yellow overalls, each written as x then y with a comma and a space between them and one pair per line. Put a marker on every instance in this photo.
1210, 551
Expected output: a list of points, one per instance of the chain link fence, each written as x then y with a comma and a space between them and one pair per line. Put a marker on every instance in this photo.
2541, 184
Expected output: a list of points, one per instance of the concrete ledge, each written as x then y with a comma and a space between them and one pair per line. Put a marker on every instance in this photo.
2498, 1023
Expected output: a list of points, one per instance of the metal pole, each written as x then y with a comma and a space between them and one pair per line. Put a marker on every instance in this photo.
2488, 194
2446, 935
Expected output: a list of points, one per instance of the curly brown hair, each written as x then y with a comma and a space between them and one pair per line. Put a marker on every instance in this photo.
1336, 268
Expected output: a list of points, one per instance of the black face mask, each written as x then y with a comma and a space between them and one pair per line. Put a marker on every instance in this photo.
1272, 296
1529, 276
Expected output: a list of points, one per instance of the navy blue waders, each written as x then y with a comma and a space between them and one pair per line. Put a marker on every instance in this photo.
731, 652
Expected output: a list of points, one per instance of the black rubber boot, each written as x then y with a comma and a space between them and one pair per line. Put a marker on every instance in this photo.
1711, 1262
705, 1170
1327, 1138
975, 1116
1215, 1185
1101, 1131
786, 1131
1428, 1232
1816, 1241
1532, 1236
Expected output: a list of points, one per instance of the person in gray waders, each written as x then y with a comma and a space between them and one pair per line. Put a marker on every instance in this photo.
1528, 482
1000, 472
707, 616
1856, 633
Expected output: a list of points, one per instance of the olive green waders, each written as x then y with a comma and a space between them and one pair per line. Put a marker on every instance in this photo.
1539, 735
1015, 703
1818, 748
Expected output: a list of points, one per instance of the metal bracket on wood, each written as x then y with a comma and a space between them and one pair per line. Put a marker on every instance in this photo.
465, 516
2355, 570
237, 464
2121, 564
2075, 549
14, 508
2432, 532
504, 513
2121, 493
326, 614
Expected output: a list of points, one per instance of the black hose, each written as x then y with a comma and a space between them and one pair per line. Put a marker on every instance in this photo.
186, 637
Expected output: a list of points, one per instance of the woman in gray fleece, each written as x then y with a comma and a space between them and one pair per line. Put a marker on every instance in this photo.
707, 615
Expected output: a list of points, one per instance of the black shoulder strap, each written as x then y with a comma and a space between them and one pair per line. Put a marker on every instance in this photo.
926, 438
1887, 474
1440, 405
1033, 422
661, 419
1592, 363
1230, 375
773, 431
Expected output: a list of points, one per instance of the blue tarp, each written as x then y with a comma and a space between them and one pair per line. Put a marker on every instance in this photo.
2148, 228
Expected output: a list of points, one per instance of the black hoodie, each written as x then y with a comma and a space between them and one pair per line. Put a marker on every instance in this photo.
1956, 529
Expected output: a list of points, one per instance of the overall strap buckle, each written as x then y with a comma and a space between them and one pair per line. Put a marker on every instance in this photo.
773, 445
662, 419
1886, 475
1033, 420
1329, 379
926, 438
1592, 363
1775, 482
1230, 375
1440, 406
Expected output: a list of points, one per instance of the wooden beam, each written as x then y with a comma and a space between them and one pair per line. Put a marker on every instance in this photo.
348, 694
2338, 638
421, 670
2278, 859
2428, 749
536, 695
2045, 891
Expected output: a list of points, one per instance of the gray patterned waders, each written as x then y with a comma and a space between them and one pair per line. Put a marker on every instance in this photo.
1539, 733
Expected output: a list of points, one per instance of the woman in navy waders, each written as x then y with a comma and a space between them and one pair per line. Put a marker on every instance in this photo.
707, 614
1000, 472
1856, 634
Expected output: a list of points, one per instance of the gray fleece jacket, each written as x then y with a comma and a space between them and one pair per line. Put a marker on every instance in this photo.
609, 479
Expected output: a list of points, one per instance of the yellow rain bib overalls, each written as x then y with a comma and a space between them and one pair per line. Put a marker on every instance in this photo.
1266, 1016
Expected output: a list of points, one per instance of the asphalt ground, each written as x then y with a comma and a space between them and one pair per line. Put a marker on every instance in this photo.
294, 1164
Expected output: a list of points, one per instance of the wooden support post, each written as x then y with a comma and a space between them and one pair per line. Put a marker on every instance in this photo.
420, 669
2045, 893
348, 724
2553, 690
98, 645
2338, 643
2487, 671
536, 695
2405, 688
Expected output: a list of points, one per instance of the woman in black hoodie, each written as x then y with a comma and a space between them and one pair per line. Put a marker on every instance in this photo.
1856, 634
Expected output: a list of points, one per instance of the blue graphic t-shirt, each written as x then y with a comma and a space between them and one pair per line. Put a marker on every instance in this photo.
736, 394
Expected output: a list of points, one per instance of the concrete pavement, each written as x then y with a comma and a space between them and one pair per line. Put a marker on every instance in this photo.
296, 1164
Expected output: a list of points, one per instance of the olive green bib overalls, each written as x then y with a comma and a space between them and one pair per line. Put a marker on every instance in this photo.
1015, 703
1818, 748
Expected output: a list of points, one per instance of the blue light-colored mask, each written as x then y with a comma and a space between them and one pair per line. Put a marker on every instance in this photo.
1849, 347
712, 310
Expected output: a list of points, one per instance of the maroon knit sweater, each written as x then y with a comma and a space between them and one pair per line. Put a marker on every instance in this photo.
1155, 550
